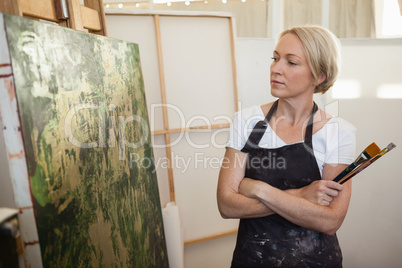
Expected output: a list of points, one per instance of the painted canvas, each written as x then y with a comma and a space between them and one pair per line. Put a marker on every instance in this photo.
87, 145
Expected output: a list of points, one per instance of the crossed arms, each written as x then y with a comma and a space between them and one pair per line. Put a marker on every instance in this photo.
320, 206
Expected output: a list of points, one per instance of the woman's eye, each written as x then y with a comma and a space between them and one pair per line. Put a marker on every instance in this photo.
292, 63
274, 59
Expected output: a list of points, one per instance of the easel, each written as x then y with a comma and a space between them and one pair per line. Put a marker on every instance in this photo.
67, 13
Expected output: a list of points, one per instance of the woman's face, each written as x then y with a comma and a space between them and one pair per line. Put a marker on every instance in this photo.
290, 73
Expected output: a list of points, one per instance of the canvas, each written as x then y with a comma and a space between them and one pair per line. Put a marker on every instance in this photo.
86, 145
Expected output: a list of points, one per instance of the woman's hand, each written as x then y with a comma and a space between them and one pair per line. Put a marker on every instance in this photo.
321, 192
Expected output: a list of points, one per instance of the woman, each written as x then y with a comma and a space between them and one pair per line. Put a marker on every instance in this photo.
281, 159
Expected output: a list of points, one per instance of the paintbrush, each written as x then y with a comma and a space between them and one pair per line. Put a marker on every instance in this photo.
367, 163
367, 153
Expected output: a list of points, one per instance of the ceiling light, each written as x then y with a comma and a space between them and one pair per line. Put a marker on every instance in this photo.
120, 5
187, 3
346, 89
390, 91
224, 1
168, 4
137, 5
107, 6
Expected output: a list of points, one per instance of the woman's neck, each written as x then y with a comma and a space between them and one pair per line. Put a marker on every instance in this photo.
294, 112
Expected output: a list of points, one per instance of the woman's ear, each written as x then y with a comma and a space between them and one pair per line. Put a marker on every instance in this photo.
321, 78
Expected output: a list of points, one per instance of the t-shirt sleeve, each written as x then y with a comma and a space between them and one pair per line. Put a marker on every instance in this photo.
242, 125
236, 137
341, 142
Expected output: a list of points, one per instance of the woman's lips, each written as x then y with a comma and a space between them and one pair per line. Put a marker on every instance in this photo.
275, 82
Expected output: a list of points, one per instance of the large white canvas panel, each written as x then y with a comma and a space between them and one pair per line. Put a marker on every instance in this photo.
198, 64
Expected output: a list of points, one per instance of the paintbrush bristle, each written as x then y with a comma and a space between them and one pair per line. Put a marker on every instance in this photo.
372, 150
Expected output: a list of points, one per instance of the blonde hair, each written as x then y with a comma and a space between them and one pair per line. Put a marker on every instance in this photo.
322, 51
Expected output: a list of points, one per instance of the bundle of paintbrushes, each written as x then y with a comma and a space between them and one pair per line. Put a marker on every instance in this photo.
365, 159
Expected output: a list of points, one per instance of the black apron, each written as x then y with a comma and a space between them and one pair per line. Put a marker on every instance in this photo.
273, 241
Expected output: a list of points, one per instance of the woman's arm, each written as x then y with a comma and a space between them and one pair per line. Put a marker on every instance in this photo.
301, 211
232, 204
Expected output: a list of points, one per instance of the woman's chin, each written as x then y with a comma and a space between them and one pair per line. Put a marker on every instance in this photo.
278, 93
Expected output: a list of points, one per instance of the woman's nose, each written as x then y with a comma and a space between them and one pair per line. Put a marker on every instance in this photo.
276, 67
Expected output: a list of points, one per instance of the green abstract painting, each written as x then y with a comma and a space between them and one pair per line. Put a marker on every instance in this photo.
83, 114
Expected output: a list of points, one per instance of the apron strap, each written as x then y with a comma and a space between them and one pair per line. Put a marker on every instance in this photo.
255, 136
271, 111
308, 137
259, 129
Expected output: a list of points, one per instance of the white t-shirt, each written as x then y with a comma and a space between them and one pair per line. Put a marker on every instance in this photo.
334, 143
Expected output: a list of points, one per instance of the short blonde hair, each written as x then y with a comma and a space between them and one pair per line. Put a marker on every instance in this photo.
322, 51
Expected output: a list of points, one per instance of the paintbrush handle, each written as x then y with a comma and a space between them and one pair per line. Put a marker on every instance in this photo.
345, 172
355, 172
